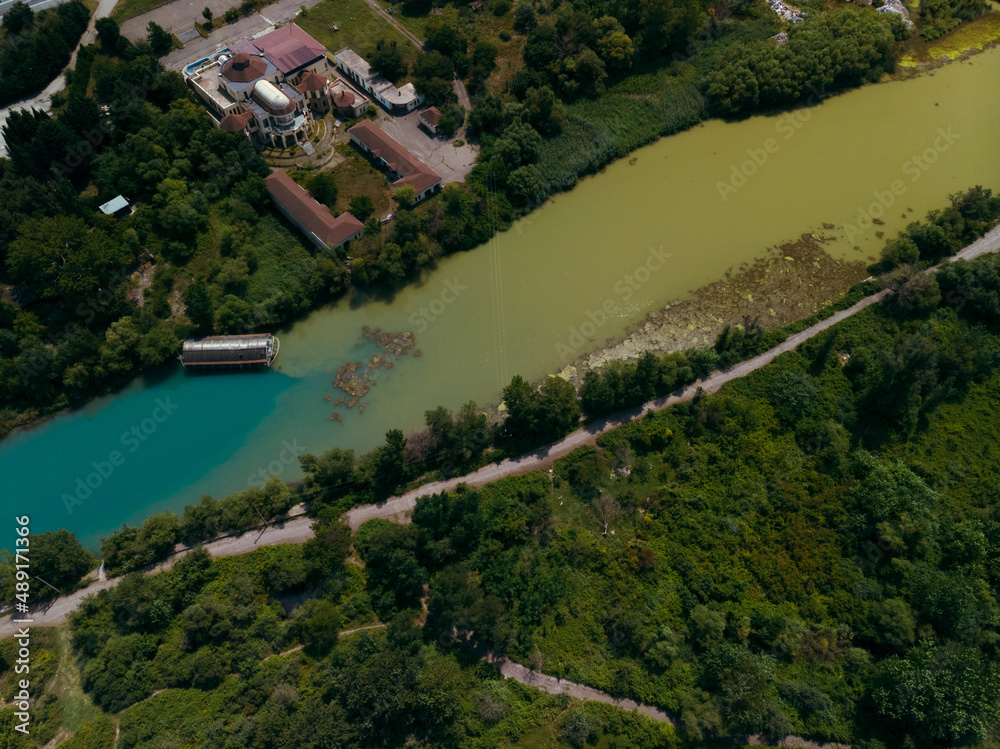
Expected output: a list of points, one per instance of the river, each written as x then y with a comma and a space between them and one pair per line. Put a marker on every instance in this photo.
674, 216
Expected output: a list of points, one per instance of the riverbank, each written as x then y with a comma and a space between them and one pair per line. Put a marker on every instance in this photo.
962, 43
794, 281
296, 528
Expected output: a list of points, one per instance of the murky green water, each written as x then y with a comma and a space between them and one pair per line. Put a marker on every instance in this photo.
559, 284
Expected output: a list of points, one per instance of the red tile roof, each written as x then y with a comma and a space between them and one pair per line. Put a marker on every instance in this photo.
244, 67
344, 99
431, 115
312, 82
311, 216
414, 171
289, 47
234, 123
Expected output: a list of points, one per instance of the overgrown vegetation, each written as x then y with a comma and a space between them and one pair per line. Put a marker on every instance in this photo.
34, 48
812, 551
55, 557
247, 653
944, 233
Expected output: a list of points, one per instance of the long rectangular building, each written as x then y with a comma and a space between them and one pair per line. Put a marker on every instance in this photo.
406, 168
396, 100
311, 217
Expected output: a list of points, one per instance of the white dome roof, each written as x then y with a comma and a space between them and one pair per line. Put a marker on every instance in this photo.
273, 99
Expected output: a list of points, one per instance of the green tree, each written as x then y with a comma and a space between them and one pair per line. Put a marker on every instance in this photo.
361, 207
546, 112
232, 316
207, 14
108, 34
434, 73
394, 574
708, 625
160, 40
59, 559
198, 306
158, 345
391, 464
329, 476
524, 185
121, 343
317, 626
452, 118
387, 58
521, 403
943, 693
405, 196
524, 15
323, 187
558, 411
445, 37
61, 257
912, 293
17, 18
121, 675
613, 44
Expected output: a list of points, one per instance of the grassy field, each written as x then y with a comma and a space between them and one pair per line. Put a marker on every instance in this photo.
481, 25
355, 176
360, 27
126, 9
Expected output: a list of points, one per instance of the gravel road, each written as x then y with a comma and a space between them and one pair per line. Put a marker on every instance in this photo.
297, 528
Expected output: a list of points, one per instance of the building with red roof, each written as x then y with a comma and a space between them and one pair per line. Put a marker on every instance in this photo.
279, 79
311, 217
406, 169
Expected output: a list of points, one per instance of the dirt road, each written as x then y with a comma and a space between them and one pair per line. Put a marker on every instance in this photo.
43, 101
415, 40
296, 529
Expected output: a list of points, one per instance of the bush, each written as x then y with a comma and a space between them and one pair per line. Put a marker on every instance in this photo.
44, 43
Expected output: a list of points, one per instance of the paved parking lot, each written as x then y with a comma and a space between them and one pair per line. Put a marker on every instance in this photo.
440, 154
181, 15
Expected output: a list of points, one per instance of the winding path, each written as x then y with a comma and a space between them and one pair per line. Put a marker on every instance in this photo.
43, 100
296, 527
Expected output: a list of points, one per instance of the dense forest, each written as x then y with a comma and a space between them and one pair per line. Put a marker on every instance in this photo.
812, 551
238, 661
34, 48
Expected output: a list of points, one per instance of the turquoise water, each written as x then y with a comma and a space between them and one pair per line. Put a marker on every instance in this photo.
573, 274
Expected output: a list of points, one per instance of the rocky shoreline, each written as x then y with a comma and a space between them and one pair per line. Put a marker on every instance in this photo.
793, 282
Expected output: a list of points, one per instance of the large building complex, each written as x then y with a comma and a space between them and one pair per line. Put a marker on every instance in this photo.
267, 87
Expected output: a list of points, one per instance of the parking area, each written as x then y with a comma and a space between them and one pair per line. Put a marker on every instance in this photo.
182, 15
452, 162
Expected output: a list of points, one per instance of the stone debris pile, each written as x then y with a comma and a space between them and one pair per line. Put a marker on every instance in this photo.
895, 6
356, 378
789, 14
